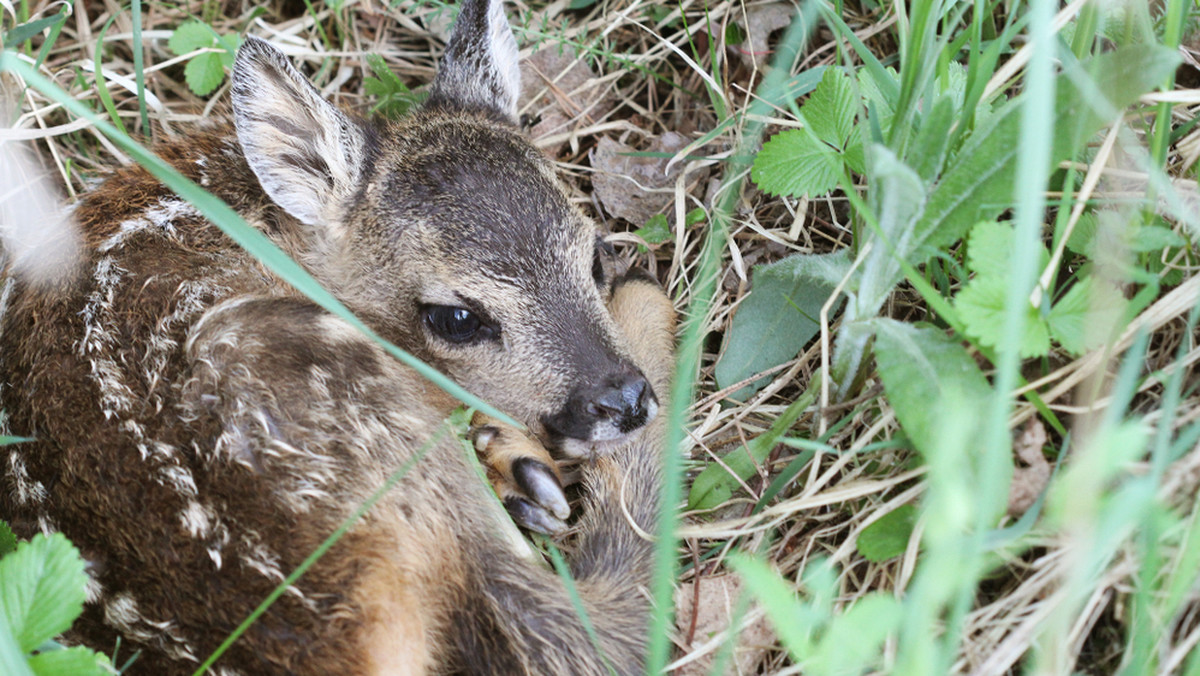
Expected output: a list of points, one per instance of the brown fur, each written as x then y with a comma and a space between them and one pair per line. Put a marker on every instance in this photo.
200, 427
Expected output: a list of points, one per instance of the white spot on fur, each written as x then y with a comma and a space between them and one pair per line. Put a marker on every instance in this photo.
503, 48
93, 588
25, 490
122, 612
159, 219
46, 525
196, 520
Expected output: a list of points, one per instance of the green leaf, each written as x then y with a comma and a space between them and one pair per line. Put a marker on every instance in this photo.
980, 306
18, 34
12, 658
76, 661
41, 589
979, 183
656, 230
1084, 233
1086, 316
989, 249
865, 626
8, 539
794, 162
921, 367
796, 628
779, 316
1148, 238
931, 146
191, 36
832, 108
888, 537
204, 73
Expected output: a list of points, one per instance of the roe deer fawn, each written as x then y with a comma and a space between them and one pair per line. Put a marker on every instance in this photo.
200, 427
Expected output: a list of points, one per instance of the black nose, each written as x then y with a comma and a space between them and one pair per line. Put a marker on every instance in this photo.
623, 402
605, 409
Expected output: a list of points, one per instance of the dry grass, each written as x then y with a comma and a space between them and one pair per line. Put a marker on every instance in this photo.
651, 75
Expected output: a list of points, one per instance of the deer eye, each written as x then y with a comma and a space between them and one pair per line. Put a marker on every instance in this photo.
456, 324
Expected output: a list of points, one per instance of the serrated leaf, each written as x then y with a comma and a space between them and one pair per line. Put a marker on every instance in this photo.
921, 367
8, 539
989, 249
41, 589
832, 108
1085, 317
980, 305
887, 537
75, 661
779, 316
1147, 238
1081, 237
191, 36
795, 163
204, 73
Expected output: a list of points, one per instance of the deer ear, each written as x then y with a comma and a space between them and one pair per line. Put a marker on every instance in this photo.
307, 154
480, 69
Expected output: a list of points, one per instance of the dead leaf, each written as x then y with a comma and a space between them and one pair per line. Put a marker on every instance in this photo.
635, 187
1028, 482
759, 22
718, 596
563, 92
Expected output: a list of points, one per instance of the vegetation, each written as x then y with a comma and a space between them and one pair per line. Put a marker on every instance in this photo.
937, 398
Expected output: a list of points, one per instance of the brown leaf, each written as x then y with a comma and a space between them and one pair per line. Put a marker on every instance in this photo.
760, 21
562, 92
635, 187
1028, 482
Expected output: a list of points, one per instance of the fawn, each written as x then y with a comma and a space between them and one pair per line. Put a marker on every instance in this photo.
200, 427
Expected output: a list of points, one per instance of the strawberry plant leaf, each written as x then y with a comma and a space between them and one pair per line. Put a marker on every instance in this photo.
41, 589
831, 109
980, 305
1085, 317
656, 230
794, 162
191, 36
76, 661
204, 73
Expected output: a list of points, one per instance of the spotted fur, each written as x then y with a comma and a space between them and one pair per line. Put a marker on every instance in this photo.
200, 427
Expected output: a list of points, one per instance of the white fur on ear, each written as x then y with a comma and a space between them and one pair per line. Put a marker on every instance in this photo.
481, 66
306, 153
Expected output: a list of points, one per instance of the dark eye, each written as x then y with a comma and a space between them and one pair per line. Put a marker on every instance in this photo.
456, 324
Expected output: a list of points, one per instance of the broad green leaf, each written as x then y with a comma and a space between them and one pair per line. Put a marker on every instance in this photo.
888, 537
980, 306
1086, 316
990, 249
794, 162
921, 367
832, 108
779, 317
713, 486
1148, 238
8, 539
41, 589
979, 184
76, 661
204, 73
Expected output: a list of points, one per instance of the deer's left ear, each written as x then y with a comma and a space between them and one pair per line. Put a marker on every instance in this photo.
480, 69
306, 153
